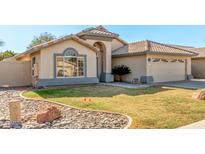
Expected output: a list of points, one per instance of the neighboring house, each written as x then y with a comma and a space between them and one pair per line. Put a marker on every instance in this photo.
88, 57
198, 63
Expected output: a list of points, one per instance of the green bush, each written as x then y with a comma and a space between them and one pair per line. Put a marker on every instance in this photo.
6, 54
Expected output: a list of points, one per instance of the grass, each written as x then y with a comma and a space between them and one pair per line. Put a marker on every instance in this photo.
154, 107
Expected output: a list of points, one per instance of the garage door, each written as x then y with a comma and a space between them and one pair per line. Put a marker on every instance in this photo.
165, 70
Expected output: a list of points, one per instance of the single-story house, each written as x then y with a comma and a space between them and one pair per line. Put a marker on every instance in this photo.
198, 63
88, 57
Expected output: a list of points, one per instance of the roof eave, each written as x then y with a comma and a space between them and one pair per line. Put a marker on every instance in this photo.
201, 57
130, 54
150, 52
171, 54
121, 40
45, 45
28, 52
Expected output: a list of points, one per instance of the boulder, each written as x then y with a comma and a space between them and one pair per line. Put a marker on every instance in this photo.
199, 95
48, 114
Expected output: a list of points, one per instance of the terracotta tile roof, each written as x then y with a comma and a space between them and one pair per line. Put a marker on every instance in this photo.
151, 47
180, 46
200, 51
99, 30
47, 44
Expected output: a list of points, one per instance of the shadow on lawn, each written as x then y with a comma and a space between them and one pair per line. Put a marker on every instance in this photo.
96, 91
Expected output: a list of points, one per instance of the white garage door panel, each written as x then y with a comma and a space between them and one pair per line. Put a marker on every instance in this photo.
168, 71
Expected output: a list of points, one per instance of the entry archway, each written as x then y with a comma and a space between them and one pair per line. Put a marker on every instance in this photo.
101, 55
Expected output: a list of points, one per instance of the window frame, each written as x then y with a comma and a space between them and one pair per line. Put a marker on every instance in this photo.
77, 57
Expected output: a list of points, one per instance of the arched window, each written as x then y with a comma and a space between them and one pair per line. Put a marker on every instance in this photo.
70, 64
70, 52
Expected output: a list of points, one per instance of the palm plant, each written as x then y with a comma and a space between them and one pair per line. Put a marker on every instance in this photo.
121, 70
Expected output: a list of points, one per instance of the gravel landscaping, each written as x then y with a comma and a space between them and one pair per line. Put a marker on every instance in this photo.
71, 118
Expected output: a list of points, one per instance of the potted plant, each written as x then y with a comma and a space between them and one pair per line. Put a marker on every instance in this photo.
121, 70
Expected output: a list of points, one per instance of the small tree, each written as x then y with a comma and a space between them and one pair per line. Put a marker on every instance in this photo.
121, 70
6, 54
1, 57
43, 38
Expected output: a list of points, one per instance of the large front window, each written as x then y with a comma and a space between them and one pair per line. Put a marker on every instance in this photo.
70, 65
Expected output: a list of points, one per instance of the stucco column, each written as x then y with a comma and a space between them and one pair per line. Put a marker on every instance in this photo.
147, 77
108, 59
188, 69
107, 76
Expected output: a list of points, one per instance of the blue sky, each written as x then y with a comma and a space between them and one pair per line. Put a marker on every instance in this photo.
17, 38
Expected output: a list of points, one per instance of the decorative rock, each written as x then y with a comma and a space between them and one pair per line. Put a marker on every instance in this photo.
48, 115
16, 125
71, 118
15, 114
199, 95
4, 124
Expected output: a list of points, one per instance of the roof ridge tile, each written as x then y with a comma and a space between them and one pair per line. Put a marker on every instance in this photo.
186, 50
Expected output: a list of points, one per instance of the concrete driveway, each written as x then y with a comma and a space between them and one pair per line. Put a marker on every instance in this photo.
196, 125
193, 84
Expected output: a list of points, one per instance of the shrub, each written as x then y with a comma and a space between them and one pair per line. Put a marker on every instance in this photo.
121, 70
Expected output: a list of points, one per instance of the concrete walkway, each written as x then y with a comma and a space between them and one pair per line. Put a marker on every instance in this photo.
126, 85
196, 125
193, 84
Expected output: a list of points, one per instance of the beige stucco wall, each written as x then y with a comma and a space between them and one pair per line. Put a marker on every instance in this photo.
13, 59
107, 64
163, 72
24, 58
15, 73
116, 44
137, 64
10, 59
198, 68
46, 69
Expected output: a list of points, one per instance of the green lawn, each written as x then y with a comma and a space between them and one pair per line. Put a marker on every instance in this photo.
154, 107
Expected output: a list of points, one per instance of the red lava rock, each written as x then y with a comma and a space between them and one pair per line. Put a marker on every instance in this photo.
199, 95
48, 114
